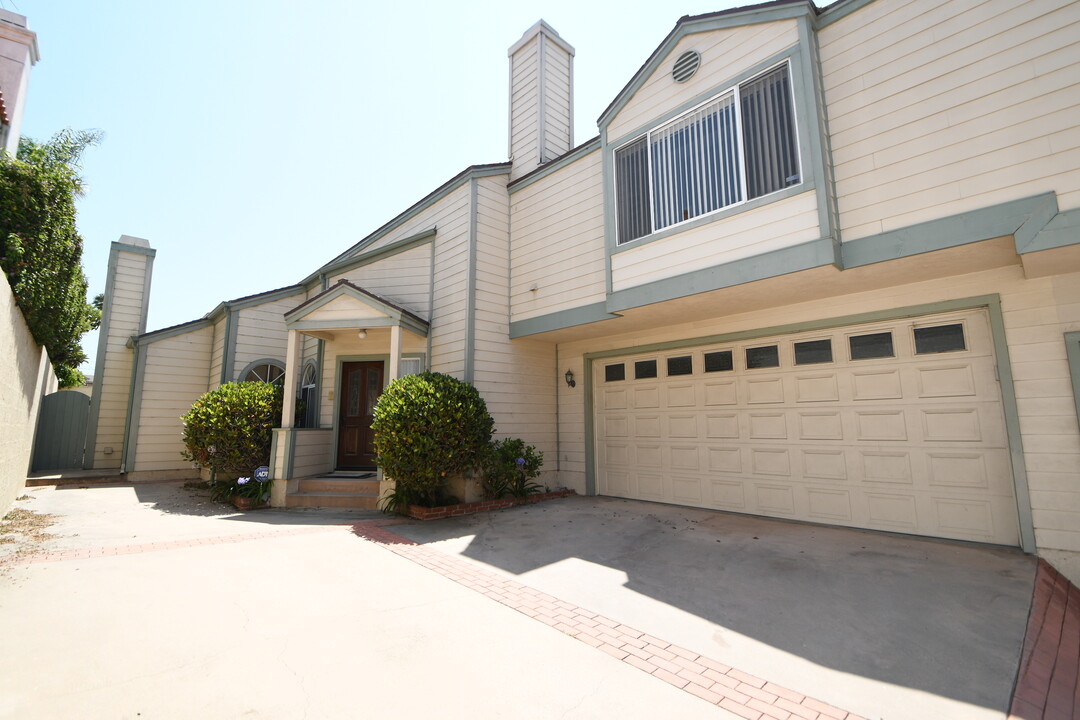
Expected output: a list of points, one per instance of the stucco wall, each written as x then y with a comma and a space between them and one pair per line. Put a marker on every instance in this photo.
25, 377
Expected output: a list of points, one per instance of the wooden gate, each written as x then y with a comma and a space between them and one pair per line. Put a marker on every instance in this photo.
61, 431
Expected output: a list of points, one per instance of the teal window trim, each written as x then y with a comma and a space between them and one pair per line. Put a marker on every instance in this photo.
256, 363
1072, 352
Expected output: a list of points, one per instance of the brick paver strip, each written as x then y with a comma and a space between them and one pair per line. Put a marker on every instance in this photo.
743, 694
1048, 681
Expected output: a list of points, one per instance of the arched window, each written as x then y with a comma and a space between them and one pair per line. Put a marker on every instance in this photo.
308, 397
265, 370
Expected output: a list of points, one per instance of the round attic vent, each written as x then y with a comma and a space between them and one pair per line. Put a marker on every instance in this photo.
686, 66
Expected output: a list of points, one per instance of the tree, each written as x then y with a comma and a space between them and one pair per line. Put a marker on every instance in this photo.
41, 249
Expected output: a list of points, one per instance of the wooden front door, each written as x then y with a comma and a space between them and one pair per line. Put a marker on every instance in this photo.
361, 385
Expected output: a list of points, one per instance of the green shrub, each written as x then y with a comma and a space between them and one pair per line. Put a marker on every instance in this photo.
428, 428
229, 430
508, 468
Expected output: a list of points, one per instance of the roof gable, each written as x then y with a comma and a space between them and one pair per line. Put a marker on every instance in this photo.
729, 42
345, 305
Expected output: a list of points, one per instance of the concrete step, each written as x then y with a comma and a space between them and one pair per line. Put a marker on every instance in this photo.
339, 485
356, 501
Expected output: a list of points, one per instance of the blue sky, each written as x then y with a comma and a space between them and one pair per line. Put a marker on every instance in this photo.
251, 142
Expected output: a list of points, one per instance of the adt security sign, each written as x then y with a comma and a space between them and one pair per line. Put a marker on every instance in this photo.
262, 474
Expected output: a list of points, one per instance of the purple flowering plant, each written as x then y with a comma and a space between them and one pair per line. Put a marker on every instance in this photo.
247, 487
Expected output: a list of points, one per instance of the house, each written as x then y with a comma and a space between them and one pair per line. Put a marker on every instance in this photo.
819, 263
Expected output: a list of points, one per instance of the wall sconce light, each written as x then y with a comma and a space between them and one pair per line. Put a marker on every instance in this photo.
362, 334
570, 379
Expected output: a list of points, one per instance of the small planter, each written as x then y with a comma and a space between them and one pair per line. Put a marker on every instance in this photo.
423, 513
246, 503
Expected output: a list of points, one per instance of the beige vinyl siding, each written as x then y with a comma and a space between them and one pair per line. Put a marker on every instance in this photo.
217, 351
559, 217
312, 452
516, 379
448, 320
557, 101
724, 54
771, 227
963, 105
115, 379
1036, 314
404, 279
174, 378
525, 107
261, 333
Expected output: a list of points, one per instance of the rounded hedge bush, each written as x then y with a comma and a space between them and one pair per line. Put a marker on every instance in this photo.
229, 430
429, 428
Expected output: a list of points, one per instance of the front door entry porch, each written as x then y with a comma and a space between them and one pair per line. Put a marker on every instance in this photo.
361, 385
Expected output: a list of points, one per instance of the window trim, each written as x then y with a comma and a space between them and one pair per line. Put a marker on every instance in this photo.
1072, 352
804, 184
262, 361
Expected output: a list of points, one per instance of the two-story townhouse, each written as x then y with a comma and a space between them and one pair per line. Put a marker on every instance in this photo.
819, 264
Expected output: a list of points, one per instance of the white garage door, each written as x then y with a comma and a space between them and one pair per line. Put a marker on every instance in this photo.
892, 426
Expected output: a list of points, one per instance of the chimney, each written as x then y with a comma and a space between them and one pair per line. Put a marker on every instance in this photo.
18, 52
127, 292
541, 98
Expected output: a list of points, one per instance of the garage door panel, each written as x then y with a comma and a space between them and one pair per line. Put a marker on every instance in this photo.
876, 384
816, 388
829, 505
727, 494
775, 499
678, 396
893, 439
878, 425
683, 426
722, 425
768, 426
820, 425
725, 459
721, 393
946, 381
764, 391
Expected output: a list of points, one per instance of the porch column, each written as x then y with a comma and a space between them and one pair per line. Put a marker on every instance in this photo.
395, 353
292, 367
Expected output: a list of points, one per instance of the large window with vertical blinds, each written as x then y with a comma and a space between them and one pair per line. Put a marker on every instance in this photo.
738, 146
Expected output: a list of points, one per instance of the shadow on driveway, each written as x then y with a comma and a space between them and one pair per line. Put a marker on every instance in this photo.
944, 618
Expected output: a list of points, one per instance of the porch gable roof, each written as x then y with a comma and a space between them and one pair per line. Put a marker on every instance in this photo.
345, 306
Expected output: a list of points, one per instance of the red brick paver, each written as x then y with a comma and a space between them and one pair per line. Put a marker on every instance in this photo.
743, 694
1048, 682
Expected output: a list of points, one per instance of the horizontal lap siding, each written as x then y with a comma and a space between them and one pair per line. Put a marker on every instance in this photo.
261, 332
525, 107
115, 377
557, 120
312, 452
516, 379
1036, 315
557, 241
724, 54
216, 352
772, 227
175, 377
404, 278
448, 321
934, 112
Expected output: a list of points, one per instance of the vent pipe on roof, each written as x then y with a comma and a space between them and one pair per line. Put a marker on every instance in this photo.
541, 98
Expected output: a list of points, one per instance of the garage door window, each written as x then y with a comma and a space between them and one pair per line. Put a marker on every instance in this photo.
644, 369
683, 365
614, 373
719, 361
813, 352
874, 345
939, 339
767, 356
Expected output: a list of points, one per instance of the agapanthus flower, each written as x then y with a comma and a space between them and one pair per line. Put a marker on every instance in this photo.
243, 481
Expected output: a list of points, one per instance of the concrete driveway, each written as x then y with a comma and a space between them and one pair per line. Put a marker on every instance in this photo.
156, 603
